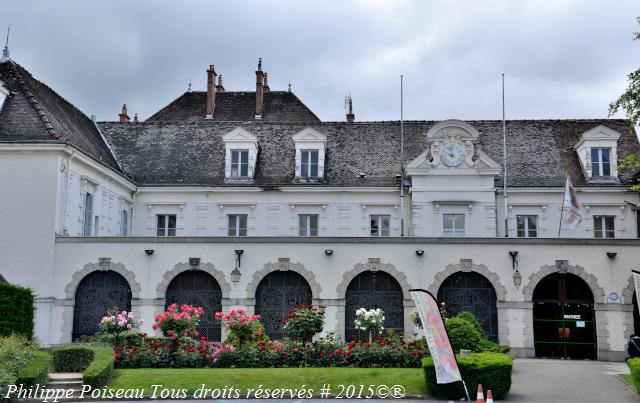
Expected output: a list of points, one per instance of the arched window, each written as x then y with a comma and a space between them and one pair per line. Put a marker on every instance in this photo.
471, 292
277, 293
374, 290
198, 288
98, 292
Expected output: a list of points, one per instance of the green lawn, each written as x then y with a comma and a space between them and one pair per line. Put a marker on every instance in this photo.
628, 380
245, 379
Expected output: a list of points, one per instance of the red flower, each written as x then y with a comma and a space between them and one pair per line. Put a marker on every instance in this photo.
116, 356
321, 355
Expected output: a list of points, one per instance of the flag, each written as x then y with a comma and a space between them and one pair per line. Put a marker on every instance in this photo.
444, 360
572, 217
636, 280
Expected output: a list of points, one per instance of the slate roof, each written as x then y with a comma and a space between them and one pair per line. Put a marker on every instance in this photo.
33, 112
193, 153
278, 106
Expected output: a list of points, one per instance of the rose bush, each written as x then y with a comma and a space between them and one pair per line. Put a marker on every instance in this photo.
370, 321
243, 330
305, 321
179, 321
117, 323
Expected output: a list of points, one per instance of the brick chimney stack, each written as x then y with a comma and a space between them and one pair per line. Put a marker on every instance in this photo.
259, 89
265, 87
124, 117
211, 91
350, 116
219, 86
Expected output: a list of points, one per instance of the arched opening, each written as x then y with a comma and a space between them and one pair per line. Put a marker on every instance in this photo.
636, 316
471, 292
563, 318
277, 293
371, 290
98, 292
198, 288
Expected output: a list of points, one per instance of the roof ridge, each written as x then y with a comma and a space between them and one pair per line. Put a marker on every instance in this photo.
39, 109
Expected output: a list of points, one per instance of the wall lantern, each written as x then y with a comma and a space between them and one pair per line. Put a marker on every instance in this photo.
517, 277
328, 252
419, 252
194, 263
149, 252
235, 276
612, 255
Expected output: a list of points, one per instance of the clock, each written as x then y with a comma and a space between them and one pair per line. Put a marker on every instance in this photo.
452, 155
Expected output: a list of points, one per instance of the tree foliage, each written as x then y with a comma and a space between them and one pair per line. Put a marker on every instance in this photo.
629, 102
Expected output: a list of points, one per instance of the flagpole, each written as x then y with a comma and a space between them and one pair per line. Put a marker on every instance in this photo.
504, 166
401, 160
564, 196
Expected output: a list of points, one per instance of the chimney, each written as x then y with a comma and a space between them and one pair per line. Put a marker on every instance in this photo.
266, 84
350, 116
219, 87
211, 92
124, 117
259, 89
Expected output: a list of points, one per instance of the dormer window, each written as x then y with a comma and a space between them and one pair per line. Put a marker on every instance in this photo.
240, 163
241, 154
600, 162
311, 148
597, 151
309, 163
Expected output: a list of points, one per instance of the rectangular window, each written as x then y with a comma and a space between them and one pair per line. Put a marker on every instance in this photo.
453, 225
309, 163
240, 163
600, 162
308, 225
96, 225
124, 223
379, 225
166, 225
527, 226
88, 214
603, 226
237, 225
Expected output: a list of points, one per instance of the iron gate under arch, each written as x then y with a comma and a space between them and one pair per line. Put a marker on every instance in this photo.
276, 294
98, 292
471, 292
198, 288
374, 290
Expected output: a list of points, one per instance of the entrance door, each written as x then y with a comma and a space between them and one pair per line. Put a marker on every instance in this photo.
563, 318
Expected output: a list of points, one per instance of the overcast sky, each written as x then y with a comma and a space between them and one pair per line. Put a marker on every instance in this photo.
562, 58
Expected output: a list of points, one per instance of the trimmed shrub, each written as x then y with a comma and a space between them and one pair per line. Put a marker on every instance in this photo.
464, 335
15, 354
491, 370
37, 370
100, 371
72, 359
16, 310
634, 366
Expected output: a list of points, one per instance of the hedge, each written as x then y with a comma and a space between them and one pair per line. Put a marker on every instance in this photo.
491, 370
72, 359
634, 366
16, 310
36, 371
100, 371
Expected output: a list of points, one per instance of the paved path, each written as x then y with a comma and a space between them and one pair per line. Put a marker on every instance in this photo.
565, 381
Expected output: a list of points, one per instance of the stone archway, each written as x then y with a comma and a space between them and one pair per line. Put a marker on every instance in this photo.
467, 266
104, 264
283, 264
161, 288
372, 264
563, 266
629, 309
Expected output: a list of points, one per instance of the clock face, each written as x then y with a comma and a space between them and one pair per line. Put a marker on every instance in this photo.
452, 155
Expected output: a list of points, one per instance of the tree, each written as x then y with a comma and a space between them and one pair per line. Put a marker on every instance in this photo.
629, 101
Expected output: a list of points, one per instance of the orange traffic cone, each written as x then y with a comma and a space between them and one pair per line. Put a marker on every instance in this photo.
489, 396
480, 396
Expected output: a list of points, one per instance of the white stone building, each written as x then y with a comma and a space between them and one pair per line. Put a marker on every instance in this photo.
247, 200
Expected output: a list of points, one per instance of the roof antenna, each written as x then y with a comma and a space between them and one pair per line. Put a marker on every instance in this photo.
189, 88
5, 51
289, 87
